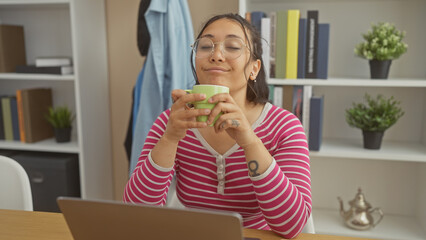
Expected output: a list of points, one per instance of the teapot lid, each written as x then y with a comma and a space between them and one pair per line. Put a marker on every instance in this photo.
359, 201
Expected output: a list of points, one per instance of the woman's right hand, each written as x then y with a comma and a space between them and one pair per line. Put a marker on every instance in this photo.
182, 117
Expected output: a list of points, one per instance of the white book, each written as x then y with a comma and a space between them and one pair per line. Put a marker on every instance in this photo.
53, 61
278, 96
266, 39
307, 94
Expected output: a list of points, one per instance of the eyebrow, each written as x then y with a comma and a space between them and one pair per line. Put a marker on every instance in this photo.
227, 36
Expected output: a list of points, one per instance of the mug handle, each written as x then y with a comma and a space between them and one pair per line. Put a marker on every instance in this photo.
191, 104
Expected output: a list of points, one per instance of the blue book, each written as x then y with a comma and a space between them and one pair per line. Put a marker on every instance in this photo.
256, 19
323, 43
15, 120
316, 122
301, 58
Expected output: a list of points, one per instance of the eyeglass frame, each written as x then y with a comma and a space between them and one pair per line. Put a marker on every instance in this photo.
221, 47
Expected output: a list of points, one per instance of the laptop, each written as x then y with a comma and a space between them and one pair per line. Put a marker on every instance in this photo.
98, 219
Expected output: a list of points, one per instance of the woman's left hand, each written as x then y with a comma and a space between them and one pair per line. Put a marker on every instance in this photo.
233, 120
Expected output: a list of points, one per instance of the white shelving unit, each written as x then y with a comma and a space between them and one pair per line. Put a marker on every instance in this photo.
74, 28
394, 177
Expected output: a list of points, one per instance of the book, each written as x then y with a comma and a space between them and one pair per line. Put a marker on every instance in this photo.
307, 94
280, 44
35, 105
15, 120
311, 44
297, 103
256, 20
292, 97
271, 93
12, 47
316, 122
248, 17
293, 17
323, 43
301, 51
272, 45
7, 118
1, 123
53, 61
62, 70
266, 39
288, 97
278, 96
21, 121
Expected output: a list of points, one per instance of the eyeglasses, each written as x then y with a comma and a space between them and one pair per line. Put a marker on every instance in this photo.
231, 48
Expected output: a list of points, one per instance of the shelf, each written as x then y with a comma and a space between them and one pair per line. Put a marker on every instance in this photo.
353, 148
48, 145
24, 76
391, 227
31, 2
351, 82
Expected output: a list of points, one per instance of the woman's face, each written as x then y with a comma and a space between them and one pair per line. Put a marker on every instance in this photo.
219, 67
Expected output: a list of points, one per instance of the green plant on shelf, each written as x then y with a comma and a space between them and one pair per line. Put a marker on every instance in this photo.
60, 117
382, 42
378, 114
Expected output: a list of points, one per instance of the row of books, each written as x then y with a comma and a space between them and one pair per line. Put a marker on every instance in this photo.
293, 47
48, 65
22, 116
307, 107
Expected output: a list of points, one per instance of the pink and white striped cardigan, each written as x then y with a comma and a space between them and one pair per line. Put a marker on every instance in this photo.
279, 199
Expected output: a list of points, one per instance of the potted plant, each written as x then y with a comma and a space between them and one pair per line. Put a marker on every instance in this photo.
61, 119
374, 118
382, 44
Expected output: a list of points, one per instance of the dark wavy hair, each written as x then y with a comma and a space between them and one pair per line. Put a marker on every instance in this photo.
257, 92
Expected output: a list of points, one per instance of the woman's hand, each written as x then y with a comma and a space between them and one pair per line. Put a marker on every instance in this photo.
182, 117
233, 120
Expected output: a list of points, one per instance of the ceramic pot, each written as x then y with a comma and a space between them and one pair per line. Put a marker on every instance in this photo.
63, 135
372, 140
379, 69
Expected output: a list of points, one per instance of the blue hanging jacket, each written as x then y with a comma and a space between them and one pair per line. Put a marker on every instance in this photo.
167, 65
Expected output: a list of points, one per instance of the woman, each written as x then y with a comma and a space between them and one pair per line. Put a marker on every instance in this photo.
254, 160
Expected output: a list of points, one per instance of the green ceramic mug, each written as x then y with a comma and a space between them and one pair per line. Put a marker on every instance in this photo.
209, 91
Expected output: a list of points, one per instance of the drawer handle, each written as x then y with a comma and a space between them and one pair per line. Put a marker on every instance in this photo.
37, 177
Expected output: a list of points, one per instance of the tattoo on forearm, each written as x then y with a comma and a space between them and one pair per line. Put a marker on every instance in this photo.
253, 167
235, 123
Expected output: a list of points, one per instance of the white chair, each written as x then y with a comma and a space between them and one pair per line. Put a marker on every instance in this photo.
15, 189
309, 226
173, 201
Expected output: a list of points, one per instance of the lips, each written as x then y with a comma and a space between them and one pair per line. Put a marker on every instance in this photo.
216, 69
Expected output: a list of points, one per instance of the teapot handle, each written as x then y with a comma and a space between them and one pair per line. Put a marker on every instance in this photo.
380, 213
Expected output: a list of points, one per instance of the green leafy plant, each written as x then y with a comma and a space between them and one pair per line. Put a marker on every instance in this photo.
378, 114
382, 42
60, 117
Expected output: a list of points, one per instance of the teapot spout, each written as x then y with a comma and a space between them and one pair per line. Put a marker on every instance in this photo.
342, 210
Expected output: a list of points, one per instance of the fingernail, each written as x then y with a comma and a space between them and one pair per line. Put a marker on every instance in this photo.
203, 95
207, 111
210, 99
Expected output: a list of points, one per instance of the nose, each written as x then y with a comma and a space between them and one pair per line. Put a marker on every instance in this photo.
217, 54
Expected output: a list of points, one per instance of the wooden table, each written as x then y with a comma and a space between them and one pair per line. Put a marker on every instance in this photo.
25, 225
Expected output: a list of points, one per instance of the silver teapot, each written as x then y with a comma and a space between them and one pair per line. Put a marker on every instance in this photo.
359, 216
